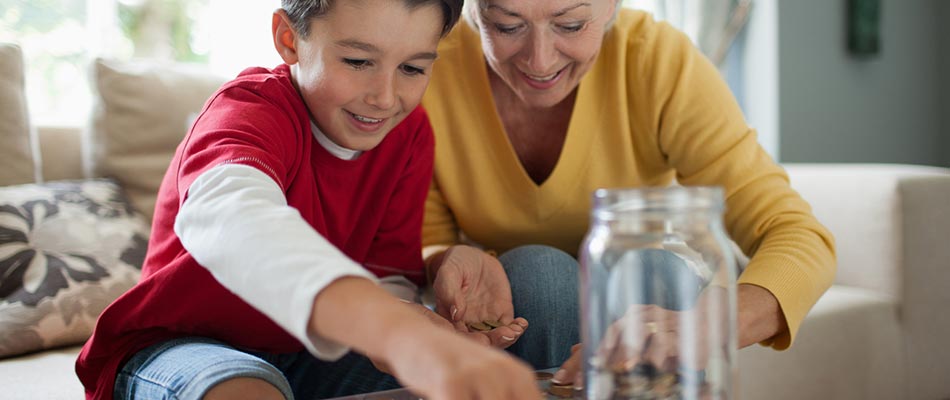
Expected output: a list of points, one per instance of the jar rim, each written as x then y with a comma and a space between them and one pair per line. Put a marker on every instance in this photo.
657, 199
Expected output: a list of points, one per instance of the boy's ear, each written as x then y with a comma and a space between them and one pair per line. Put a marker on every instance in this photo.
285, 37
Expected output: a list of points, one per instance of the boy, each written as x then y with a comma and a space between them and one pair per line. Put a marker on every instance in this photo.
289, 180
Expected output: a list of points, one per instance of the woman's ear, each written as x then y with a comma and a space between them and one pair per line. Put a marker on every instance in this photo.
285, 37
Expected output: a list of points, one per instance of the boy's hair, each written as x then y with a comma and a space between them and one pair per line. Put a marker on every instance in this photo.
301, 12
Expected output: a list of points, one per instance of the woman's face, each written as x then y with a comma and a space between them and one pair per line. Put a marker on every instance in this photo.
542, 48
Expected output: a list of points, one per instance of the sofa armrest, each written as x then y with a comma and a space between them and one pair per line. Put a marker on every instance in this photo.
892, 229
924, 293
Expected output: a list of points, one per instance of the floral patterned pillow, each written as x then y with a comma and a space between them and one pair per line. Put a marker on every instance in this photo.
67, 249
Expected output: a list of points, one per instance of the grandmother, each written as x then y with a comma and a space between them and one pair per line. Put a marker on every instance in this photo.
537, 103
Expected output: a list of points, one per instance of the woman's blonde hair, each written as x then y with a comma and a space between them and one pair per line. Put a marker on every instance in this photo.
469, 16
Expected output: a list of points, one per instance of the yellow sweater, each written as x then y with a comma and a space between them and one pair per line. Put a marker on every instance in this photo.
651, 108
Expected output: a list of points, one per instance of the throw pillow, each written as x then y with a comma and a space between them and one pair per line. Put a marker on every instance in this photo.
142, 114
16, 156
67, 249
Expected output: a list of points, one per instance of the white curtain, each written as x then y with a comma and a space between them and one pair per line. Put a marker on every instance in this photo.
712, 24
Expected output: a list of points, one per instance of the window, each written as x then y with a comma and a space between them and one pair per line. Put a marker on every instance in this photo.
716, 26
60, 37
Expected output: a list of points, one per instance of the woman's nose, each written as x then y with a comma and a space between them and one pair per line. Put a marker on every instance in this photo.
542, 54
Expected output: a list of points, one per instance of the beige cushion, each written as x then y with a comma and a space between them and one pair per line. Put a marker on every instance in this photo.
16, 156
61, 148
861, 205
143, 111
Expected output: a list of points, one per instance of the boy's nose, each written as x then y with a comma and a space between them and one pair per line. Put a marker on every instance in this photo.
382, 95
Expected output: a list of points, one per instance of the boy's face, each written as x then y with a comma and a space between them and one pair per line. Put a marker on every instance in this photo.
364, 66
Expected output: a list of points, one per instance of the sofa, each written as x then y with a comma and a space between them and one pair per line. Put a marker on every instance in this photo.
876, 334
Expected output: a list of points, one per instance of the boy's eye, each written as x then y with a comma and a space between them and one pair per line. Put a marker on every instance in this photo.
356, 63
412, 70
507, 29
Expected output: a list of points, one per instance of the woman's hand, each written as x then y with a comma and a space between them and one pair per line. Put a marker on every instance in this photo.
472, 287
652, 335
644, 335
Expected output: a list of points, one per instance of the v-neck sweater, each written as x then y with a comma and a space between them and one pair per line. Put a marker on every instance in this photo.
651, 110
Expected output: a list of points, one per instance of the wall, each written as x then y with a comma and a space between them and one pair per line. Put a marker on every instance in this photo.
943, 16
835, 108
761, 72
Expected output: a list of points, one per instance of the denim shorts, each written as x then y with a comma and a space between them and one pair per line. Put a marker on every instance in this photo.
187, 368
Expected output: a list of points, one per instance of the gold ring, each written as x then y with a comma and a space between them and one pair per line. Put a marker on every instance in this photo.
651, 326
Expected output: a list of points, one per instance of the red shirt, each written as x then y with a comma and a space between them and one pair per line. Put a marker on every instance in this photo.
370, 208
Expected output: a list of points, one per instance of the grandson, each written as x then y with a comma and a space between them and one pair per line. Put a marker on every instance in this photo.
293, 188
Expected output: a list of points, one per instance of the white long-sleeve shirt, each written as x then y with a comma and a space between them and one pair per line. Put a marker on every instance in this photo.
236, 220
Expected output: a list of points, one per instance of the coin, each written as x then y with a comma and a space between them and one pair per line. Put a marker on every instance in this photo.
492, 323
561, 391
479, 326
543, 376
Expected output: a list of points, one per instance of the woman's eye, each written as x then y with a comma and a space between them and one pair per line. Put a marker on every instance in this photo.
571, 28
412, 70
507, 29
356, 63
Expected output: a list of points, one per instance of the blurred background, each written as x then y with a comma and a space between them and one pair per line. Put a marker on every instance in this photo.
821, 80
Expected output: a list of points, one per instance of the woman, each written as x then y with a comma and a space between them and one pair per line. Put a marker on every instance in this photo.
535, 104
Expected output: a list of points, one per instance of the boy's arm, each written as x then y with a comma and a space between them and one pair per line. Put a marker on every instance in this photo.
434, 362
235, 222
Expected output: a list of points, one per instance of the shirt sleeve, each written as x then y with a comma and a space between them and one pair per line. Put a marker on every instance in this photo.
703, 135
244, 125
237, 224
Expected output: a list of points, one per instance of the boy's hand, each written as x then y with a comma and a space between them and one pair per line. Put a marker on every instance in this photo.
441, 365
438, 322
471, 287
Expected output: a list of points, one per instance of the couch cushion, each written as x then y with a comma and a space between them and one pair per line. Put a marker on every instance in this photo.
16, 154
143, 111
67, 249
848, 348
49, 375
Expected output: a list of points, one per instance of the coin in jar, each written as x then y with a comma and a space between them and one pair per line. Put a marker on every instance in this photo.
561, 391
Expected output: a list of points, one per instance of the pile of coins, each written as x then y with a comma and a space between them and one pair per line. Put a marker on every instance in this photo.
484, 326
645, 382
553, 389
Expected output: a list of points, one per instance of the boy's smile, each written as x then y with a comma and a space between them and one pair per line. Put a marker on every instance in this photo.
363, 67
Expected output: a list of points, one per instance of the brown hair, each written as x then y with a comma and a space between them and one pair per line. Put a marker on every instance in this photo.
301, 12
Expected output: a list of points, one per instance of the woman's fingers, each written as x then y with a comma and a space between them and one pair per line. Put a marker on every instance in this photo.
568, 373
504, 336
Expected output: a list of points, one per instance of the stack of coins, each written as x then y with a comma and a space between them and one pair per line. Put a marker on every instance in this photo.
645, 382
484, 326
553, 389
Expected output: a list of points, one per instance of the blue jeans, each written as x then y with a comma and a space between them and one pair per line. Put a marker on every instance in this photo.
187, 368
544, 290
544, 287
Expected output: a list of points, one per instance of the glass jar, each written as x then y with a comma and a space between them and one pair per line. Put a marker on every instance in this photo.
658, 296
